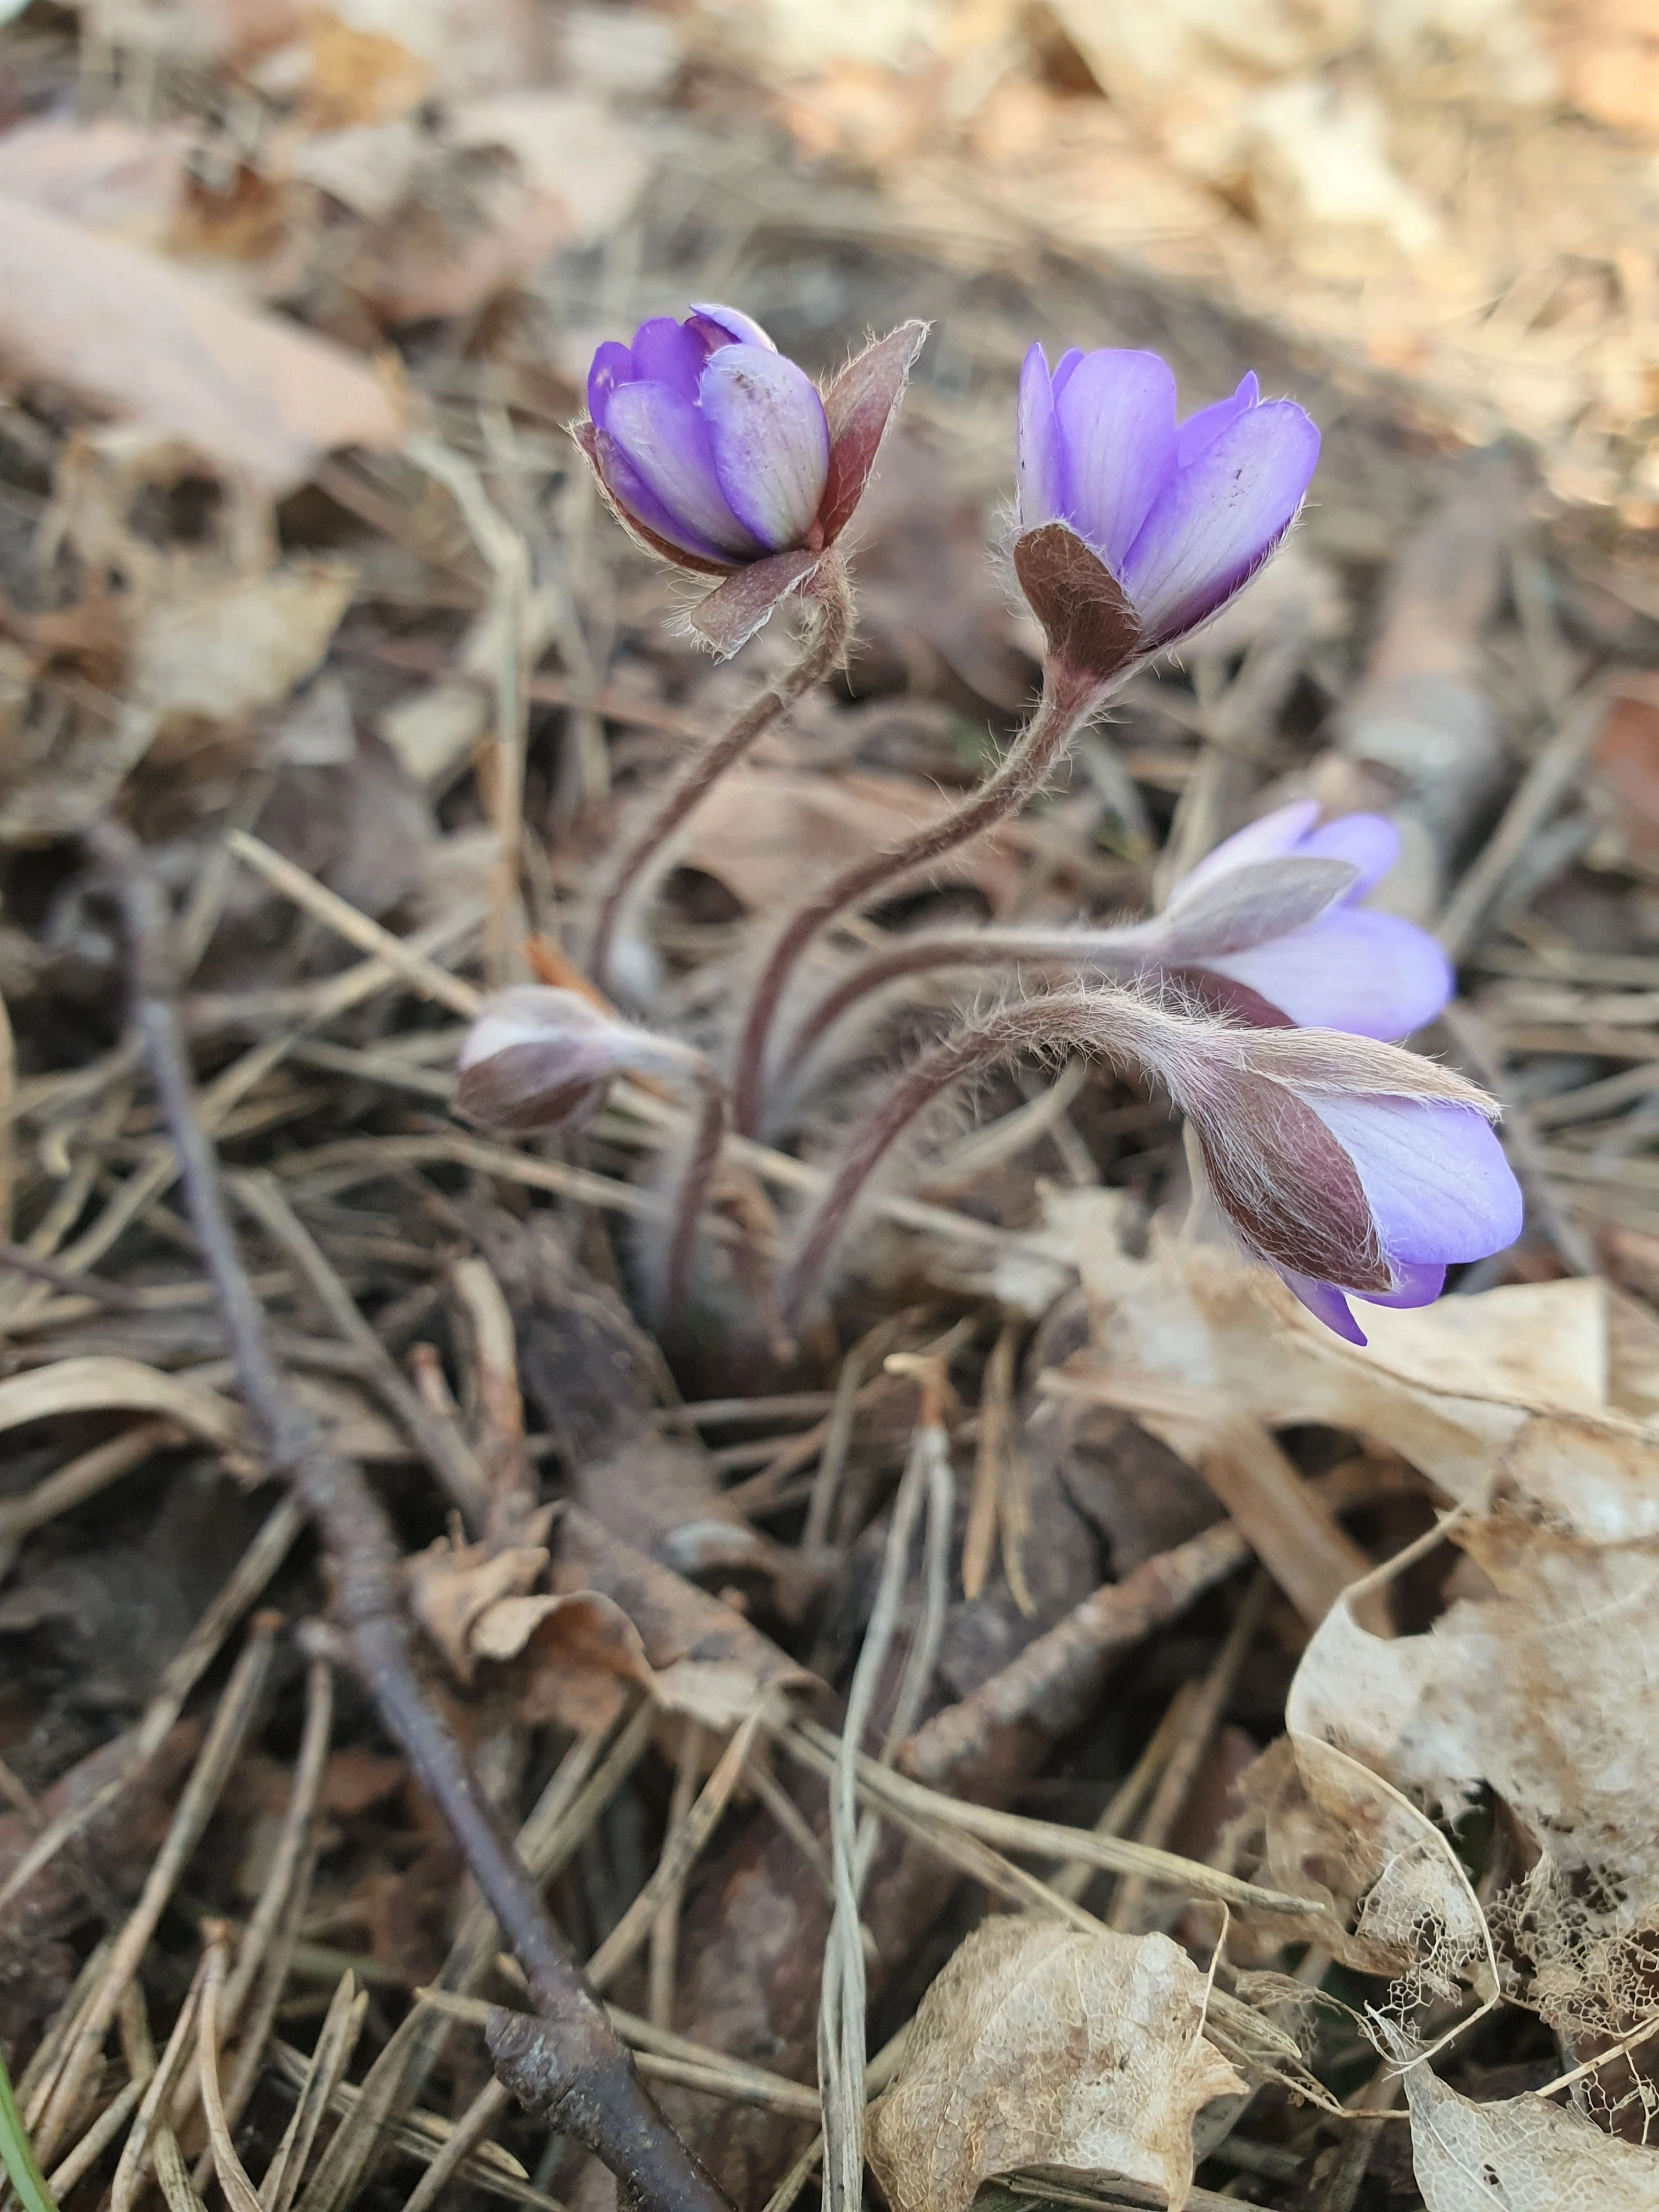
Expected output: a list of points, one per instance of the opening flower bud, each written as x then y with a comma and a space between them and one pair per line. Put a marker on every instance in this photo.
543, 1058
718, 453
1169, 518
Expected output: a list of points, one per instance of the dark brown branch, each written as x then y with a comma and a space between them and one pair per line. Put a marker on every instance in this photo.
614, 2114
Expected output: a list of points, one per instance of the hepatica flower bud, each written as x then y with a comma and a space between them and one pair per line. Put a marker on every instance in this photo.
1350, 1168
1270, 927
718, 453
541, 1058
1135, 528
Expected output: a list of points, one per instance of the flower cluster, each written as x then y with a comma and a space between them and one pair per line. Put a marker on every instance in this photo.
1266, 997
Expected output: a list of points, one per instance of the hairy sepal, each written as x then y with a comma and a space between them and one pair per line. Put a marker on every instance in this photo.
731, 614
1093, 632
1247, 906
859, 406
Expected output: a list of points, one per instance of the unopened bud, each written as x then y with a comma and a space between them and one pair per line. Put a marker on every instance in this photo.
543, 1058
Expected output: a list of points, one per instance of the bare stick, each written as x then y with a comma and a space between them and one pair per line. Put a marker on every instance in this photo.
616, 2116
829, 631
1068, 702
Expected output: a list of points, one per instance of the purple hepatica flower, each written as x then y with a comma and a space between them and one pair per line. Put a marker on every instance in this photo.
1269, 925
1350, 1169
719, 454
1177, 517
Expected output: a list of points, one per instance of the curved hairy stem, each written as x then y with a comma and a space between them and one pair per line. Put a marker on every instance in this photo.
691, 1191
1068, 699
1110, 1024
828, 634
1111, 952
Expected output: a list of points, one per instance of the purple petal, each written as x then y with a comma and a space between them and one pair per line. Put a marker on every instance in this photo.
1372, 975
1325, 1303
1199, 432
1066, 367
1217, 522
1040, 461
1414, 1286
613, 364
769, 439
726, 327
1434, 1175
1116, 416
667, 441
665, 352
1267, 839
1366, 841
628, 489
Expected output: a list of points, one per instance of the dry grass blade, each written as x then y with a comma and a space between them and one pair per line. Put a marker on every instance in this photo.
1000, 1505
679, 1854
97, 2139
252, 1571
337, 2040
842, 2028
152, 2123
1047, 1839
100, 1381
665, 1929
231, 1721
444, 1449
240, 2193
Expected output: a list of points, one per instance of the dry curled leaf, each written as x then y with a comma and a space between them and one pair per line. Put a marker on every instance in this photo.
1521, 2154
1045, 2045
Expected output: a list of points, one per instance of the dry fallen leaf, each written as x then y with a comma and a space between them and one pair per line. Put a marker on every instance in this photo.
1450, 1387
128, 332
1046, 2045
1521, 2154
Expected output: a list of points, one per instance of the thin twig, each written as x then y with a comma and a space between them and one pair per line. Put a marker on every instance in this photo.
611, 2108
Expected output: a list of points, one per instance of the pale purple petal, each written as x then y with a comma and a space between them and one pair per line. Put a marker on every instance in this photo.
613, 364
770, 440
666, 440
632, 493
1366, 842
1415, 1284
1040, 462
726, 327
1199, 432
1372, 975
1434, 1174
665, 352
1210, 531
1266, 839
1117, 419
1065, 367
1325, 1303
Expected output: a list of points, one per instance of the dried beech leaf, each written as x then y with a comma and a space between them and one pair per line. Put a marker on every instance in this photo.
1546, 1692
127, 331
452, 1587
1045, 2045
699, 1656
1450, 1387
1521, 2154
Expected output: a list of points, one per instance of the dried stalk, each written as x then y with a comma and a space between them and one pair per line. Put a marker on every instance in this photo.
614, 2114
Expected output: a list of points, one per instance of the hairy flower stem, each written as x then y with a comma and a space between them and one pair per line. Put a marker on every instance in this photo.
1109, 952
708, 1135
829, 632
1109, 1023
1070, 697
